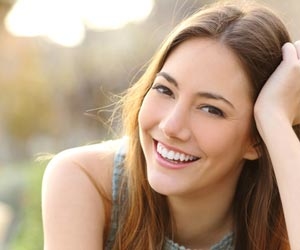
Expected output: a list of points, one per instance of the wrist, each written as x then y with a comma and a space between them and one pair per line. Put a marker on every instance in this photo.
271, 122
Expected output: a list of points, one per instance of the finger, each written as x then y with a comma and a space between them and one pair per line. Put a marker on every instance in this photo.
297, 45
289, 52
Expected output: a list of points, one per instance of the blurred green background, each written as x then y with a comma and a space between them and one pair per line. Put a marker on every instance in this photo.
53, 83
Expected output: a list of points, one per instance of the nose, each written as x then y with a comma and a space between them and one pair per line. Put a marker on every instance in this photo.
175, 124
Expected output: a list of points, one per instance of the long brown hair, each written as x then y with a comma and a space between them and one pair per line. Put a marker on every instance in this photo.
255, 34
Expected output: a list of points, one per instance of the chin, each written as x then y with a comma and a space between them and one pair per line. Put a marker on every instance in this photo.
165, 184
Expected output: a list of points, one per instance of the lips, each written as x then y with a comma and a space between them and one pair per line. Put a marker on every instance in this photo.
173, 155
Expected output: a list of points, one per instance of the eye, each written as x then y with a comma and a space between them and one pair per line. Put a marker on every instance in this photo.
213, 110
163, 89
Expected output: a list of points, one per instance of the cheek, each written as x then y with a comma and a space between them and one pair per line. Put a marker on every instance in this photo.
223, 139
146, 114
153, 109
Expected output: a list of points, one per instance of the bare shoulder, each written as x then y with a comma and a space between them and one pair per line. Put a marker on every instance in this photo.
72, 196
94, 160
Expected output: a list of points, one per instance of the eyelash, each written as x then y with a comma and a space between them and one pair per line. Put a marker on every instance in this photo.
213, 110
163, 90
209, 108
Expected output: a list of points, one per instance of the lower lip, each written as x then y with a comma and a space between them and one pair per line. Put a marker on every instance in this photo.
168, 164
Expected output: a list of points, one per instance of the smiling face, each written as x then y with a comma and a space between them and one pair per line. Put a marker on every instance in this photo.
195, 121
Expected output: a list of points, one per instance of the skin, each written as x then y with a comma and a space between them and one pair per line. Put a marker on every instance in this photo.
216, 131
73, 211
278, 108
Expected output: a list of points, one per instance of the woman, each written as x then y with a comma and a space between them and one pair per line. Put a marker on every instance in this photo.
211, 155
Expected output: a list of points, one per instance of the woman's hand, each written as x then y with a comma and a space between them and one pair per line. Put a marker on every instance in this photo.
278, 108
280, 97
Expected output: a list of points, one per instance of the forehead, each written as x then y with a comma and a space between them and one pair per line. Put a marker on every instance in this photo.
207, 63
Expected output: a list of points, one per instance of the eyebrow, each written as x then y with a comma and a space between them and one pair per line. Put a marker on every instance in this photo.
208, 95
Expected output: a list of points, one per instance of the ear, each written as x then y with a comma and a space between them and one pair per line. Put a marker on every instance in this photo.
252, 152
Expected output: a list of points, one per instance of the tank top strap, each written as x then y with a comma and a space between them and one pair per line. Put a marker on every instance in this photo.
116, 179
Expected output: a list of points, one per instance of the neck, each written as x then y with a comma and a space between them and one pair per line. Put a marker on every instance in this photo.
203, 221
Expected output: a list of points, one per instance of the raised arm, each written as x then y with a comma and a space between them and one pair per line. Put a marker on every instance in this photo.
73, 208
276, 110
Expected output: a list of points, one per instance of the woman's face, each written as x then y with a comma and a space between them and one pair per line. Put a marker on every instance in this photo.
195, 121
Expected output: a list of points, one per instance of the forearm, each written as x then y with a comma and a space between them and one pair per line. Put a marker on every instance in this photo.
284, 149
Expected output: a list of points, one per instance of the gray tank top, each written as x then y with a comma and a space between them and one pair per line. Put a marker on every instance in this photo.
225, 244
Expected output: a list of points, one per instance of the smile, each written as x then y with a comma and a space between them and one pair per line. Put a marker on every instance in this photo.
174, 156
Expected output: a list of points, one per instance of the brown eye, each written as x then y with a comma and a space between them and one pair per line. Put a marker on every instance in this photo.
163, 90
213, 110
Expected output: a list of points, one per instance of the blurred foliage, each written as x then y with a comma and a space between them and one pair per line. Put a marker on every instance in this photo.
29, 233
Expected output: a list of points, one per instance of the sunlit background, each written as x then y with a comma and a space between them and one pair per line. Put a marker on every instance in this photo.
65, 22
60, 61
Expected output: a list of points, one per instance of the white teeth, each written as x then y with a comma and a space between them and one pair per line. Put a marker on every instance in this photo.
181, 157
171, 155
164, 152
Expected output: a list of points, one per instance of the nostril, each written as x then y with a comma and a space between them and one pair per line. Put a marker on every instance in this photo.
175, 124
177, 131
168, 129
